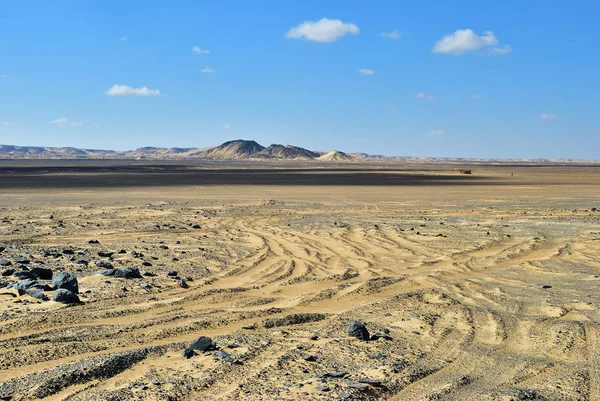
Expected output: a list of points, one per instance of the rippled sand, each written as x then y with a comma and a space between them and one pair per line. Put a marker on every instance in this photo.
489, 289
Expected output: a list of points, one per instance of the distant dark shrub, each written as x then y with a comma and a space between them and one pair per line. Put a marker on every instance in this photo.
465, 171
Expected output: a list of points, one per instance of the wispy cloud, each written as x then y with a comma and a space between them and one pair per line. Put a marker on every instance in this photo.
124, 39
436, 132
208, 70
124, 90
5, 123
465, 40
366, 71
325, 30
226, 126
548, 116
63, 122
60, 122
197, 50
423, 96
393, 35
394, 109
3, 76
474, 96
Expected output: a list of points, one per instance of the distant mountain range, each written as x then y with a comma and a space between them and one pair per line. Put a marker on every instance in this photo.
231, 150
237, 150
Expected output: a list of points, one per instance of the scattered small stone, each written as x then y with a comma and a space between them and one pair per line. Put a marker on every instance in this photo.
182, 283
93, 241
309, 358
146, 286
224, 356
172, 273
322, 388
4, 262
148, 274
147, 264
372, 382
356, 385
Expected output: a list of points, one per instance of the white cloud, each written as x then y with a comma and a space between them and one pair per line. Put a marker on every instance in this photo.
394, 109
325, 30
393, 35
436, 132
227, 126
124, 90
548, 116
124, 39
422, 95
208, 70
60, 122
198, 50
76, 124
366, 71
5, 123
465, 40
474, 96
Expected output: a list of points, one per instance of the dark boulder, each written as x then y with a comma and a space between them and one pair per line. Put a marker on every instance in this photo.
105, 254
66, 281
37, 294
41, 273
8, 272
358, 330
104, 264
65, 296
68, 252
4, 262
24, 274
203, 344
127, 272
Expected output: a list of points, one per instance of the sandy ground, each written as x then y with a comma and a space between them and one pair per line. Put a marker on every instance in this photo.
489, 291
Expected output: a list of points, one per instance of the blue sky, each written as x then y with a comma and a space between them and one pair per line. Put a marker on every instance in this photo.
436, 85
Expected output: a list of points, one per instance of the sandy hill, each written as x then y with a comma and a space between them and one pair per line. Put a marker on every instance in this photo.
335, 156
287, 152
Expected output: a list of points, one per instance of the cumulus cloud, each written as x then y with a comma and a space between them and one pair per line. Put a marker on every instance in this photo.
124, 39
393, 35
76, 124
366, 71
124, 90
424, 96
465, 40
548, 116
436, 132
5, 123
325, 30
227, 126
198, 50
60, 122
208, 70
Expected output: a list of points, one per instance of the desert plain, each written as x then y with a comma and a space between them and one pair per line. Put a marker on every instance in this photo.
472, 287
